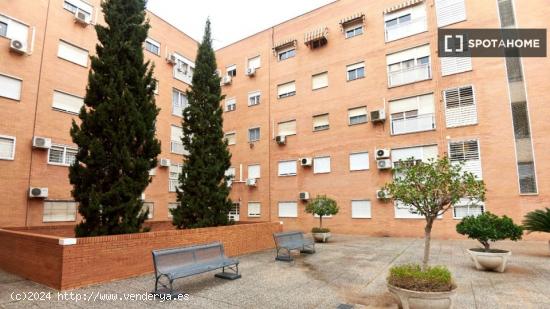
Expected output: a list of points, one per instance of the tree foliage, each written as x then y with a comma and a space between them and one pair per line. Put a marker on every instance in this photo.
322, 206
537, 221
488, 227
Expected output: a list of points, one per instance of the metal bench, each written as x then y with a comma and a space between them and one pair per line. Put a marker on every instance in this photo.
292, 241
175, 263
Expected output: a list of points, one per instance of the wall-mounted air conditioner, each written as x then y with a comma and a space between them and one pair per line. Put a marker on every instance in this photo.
382, 153
378, 115
383, 164
17, 46
81, 18
307, 161
304, 196
250, 72
164, 162
41, 142
36, 192
382, 195
171, 58
251, 182
280, 139
226, 80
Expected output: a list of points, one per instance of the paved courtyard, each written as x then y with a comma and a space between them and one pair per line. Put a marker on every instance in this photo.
349, 270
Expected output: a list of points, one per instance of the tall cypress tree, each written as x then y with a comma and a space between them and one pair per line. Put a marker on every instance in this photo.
116, 138
203, 194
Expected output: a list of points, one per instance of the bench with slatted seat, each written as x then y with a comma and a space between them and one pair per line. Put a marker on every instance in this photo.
176, 263
288, 241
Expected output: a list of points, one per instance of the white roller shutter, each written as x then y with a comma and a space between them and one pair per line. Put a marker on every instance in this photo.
460, 106
67, 102
361, 209
287, 128
254, 62
412, 53
288, 209
403, 105
449, 12
287, 168
355, 66
286, 88
319, 81
176, 133
468, 153
321, 165
72, 53
253, 209
454, 65
254, 171
359, 111
320, 122
7, 147
10, 87
359, 161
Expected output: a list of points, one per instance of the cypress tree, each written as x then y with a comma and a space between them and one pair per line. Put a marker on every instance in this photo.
116, 137
203, 195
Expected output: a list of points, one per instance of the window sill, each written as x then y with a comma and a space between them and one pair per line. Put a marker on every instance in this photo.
320, 88
361, 218
356, 124
69, 61
413, 132
11, 99
7, 159
59, 164
320, 130
287, 175
351, 80
413, 82
286, 96
254, 216
320, 173
64, 111
363, 170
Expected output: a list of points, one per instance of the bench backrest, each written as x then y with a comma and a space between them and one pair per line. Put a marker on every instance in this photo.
281, 239
166, 260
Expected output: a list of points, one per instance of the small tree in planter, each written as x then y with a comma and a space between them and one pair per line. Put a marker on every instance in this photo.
322, 206
487, 228
537, 221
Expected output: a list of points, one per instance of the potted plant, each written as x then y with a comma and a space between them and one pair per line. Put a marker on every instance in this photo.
430, 189
538, 221
321, 206
487, 228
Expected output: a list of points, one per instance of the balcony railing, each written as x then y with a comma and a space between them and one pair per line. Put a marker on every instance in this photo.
405, 29
414, 124
177, 148
409, 75
172, 185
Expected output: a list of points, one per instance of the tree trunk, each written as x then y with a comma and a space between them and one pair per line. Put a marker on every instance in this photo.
321, 222
486, 245
427, 239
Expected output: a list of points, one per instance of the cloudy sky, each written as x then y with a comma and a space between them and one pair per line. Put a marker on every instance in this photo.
232, 20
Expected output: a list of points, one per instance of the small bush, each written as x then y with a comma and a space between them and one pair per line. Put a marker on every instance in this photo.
537, 221
488, 227
411, 277
320, 230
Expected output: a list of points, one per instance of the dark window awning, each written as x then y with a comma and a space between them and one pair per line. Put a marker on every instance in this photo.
355, 18
291, 42
401, 5
316, 38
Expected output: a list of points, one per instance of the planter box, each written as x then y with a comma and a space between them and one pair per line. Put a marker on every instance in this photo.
408, 299
495, 260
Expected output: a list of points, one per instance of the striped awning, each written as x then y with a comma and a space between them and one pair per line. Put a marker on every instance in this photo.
285, 43
353, 18
402, 5
317, 34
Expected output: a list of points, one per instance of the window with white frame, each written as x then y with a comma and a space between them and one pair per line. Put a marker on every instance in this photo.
355, 71
254, 171
179, 102
359, 161
286, 90
59, 211
171, 206
466, 207
361, 209
3, 29
174, 173
7, 147
62, 155
67, 102
455, 65
148, 206
409, 66
449, 12
287, 168
78, 5
254, 98
286, 53
288, 209
287, 128
405, 21
254, 63
231, 70
321, 165
413, 114
460, 106
353, 30
254, 209
176, 145
466, 153
10, 87
152, 46
253, 135
321, 122
230, 104
357, 115
72, 53
14, 30
230, 173
319, 81
231, 138
183, 69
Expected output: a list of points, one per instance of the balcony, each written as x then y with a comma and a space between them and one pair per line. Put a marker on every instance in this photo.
409, 75
418, 123
177, 148
405, 29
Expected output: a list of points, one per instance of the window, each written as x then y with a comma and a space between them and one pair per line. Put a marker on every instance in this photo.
78, 5
465, 208
7, 147
287, 128
506, 13
460, 106
320, 122
353, 30
423, 153
454, 65
176, 145
414, 114
287, 168
173, 177
66, 102
254, 63
152, 46
321, 165
357, 115
254, 171
149, 206
62, 155
171, 206
319, 81
286, 90
59, 211
287, 53
254, 209
231, 70
179, 102
254, 98
288, 209
527, 180
359, 161
10, 87
466, 152
409, 66
253, 135
356, 71
449, 12
361, 209
405, 22
183, 69
231, 138
14, 30
230, 173
73, 53
230, 104
3, 29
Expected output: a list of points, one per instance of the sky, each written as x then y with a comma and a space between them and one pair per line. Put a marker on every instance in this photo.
232, 20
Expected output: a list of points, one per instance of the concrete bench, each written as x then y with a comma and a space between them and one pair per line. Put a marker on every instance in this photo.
288, 241
175, 263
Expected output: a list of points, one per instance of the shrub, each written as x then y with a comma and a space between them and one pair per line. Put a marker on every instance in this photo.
320, 230
488, 227
322, 206
537, 221
412, 277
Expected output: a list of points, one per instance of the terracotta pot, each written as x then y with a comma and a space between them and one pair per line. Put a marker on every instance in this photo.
321, 237
493, 260
408, 299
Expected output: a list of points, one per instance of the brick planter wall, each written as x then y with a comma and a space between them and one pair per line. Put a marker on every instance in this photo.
105, 258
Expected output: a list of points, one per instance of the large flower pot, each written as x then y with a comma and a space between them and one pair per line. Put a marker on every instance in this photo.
321, 237
493, 260
408, 299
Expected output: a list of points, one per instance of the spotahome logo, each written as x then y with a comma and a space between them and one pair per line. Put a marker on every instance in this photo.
492, 42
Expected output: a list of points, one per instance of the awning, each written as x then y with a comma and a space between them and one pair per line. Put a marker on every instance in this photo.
357, 17
320, 34
284, 44
402, 5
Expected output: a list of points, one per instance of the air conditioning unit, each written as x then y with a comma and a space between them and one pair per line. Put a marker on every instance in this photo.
382, 153
142, 197
41, 142
304, 196
306, 161
171, 58
378, 115
383, 164
226, 80
251, 182
81, 18
382, 195
165, 162
250, 71
38, 192
17, 46
280, 139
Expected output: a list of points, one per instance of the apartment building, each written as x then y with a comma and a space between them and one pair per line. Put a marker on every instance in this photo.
325, 103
